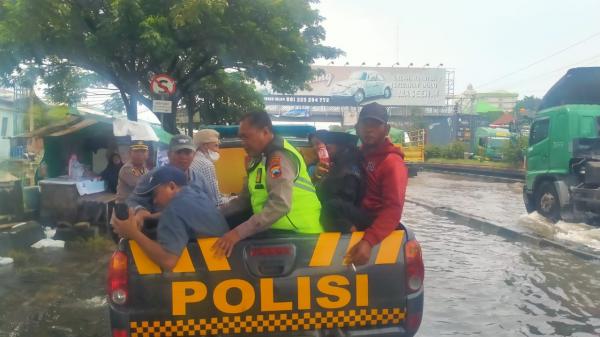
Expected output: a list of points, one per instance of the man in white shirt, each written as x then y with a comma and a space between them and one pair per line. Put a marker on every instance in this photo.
207, 145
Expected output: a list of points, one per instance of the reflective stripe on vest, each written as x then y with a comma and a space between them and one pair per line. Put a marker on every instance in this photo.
303, 216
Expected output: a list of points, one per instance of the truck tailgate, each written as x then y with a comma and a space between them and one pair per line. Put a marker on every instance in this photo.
274, 285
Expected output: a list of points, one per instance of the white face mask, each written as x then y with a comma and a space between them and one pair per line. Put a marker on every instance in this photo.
214, 156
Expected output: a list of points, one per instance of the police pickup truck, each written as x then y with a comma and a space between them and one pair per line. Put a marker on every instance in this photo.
275, 284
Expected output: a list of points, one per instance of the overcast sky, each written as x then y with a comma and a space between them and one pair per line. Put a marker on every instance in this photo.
482, 40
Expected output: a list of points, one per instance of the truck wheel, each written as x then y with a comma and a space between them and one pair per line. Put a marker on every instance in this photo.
546, 201
529, 204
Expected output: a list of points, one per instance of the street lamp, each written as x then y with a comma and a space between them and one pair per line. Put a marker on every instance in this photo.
347, 63
363, 64
411, 64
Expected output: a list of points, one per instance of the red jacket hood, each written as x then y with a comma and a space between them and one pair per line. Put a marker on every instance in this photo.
383, 150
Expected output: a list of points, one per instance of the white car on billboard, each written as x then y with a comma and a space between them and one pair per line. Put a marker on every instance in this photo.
362, 85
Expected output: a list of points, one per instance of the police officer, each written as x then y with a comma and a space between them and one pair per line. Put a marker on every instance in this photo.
278, 190
130, 173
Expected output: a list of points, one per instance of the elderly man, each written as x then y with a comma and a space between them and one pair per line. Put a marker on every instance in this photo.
207, 145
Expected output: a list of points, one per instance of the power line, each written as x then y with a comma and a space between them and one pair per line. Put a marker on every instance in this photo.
563, 68
540, 60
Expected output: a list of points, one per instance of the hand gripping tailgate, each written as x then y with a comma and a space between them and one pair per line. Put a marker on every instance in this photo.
275, 285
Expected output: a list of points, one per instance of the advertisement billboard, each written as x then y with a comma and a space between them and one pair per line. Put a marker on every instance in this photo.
355, 86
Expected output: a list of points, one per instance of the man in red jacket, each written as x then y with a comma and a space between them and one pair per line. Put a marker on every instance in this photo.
386, 178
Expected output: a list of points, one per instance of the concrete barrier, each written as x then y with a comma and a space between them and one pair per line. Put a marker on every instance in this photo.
511, 174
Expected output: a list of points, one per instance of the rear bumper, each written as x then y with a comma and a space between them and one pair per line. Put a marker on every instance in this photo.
119, 320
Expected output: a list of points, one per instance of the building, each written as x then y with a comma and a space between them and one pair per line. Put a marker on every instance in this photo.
11, 122
504, 100
473, 102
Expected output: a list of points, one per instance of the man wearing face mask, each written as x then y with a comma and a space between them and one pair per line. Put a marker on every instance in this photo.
207, 145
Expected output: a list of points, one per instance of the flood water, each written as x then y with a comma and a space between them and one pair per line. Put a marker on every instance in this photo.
499, 202
477, 284
54, 292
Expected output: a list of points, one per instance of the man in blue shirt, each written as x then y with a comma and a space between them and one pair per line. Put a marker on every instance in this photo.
186, 213
181, 154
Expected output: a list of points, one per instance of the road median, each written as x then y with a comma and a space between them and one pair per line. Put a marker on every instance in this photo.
488, 171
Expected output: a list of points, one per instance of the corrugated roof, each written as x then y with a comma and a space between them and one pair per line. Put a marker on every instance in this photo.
504, 120
73, 128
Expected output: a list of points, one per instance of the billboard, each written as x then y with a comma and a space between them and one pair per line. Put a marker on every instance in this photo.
355, 86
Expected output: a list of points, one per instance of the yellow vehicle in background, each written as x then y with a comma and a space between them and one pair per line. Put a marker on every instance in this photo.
231, 167
413, 148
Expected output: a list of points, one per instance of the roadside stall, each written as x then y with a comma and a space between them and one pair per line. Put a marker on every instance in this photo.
76, 151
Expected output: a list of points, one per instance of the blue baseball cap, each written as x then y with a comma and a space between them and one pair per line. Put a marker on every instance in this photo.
160, 176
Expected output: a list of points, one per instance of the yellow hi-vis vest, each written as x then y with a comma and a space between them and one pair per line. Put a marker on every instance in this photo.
303, 216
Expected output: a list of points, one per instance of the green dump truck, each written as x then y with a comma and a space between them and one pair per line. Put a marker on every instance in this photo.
563, 158
489, 142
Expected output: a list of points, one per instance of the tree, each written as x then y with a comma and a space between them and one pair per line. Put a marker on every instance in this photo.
126, 42
223, 97
529, 103
114, 105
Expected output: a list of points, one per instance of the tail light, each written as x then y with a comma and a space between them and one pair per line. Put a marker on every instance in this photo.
413, 321
415, 271
415, 275
117, 279
119, 333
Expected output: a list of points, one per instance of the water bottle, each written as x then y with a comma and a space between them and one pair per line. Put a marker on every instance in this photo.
323, 154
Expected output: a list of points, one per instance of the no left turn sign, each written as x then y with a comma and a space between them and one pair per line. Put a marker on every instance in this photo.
162, 84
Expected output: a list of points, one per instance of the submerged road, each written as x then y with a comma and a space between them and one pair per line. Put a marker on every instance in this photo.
476, 283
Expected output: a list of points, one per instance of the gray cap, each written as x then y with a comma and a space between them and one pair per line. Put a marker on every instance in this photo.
374, 111
181, 142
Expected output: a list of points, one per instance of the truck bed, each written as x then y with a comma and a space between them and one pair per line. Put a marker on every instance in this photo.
277, 285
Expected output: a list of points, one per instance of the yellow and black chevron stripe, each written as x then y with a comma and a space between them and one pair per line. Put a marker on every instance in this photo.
323, 254
281, 322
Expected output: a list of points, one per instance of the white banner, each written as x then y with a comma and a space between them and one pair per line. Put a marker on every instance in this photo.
390, 86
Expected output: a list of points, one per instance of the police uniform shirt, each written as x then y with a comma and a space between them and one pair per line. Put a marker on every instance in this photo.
129, 176
281, 171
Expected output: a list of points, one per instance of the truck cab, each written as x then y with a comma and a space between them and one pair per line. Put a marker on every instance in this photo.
563, 157
490, 141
